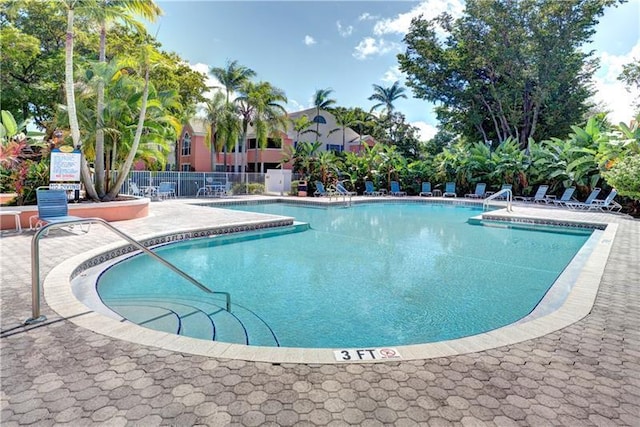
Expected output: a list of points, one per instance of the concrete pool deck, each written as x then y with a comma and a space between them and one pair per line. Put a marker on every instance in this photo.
587, 373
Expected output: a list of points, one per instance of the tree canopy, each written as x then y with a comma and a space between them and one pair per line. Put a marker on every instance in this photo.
506, 68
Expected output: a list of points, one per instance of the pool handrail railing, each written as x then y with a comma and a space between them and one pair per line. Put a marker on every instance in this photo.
504, 192
35, 263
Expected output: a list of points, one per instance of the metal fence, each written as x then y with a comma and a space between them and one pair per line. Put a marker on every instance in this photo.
187, 183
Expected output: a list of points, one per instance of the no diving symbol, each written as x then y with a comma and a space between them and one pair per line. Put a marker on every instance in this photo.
388, 353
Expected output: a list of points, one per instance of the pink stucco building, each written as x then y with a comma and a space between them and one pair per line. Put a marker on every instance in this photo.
194, 153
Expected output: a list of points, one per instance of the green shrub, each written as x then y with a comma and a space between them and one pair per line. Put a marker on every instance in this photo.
624, 176
294, 188
251, 188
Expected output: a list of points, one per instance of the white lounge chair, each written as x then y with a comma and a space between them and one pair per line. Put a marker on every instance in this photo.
587, 204
479, 192
539, 196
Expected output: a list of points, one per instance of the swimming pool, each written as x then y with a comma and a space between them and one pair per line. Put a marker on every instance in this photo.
368, 275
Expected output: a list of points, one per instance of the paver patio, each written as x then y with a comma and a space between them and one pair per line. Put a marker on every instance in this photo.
57, 373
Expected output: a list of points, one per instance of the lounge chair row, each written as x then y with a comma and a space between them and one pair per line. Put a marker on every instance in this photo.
450, 190
565, 200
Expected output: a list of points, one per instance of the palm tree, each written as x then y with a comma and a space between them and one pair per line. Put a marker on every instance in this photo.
259, 106
148, 59
386, 96
328, 166
214, 111
345, 119
322, 101
301, 126
232, 77
74, 126
268, 114
303, 158
104, 12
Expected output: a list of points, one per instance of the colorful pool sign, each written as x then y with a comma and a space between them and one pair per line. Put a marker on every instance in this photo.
65, 165
363, 354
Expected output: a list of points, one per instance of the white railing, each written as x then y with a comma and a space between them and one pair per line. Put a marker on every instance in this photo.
187, 183
506, 193
36, 316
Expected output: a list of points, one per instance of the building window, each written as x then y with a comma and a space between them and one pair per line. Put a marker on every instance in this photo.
271, 143
185, 167
319, 119
334, 147
186, 145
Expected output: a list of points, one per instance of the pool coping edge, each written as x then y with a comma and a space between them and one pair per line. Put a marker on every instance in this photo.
578, 304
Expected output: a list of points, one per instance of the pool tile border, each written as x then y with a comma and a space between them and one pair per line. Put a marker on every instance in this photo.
59, 297
163, 239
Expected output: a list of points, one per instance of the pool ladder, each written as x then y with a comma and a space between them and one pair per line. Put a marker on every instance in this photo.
35, 263
506, 192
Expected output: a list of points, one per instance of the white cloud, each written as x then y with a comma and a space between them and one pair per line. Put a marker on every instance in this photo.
392, 75
400, 25
427, 131
611, 92
308, 40
367, 17
344, 31
211, 81
293, 106
370, 46
429, 9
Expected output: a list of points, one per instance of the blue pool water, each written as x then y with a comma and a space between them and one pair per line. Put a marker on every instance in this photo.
368, 275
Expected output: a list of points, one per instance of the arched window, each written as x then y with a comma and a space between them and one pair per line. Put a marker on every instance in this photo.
186, 145
319, 119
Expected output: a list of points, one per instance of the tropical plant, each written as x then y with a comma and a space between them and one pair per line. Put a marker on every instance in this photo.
103, 12
345, 118
232, 77
321, 101
302, 158
447, 162
386, 96
327, 166
301, 125
622, 169
391, 164
19, 163
624, 176
475, 166
510, 166
260, 105
214, 109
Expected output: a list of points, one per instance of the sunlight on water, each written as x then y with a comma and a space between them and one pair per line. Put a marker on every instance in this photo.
369, 275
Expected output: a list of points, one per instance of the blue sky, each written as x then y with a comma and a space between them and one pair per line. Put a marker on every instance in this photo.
301, 46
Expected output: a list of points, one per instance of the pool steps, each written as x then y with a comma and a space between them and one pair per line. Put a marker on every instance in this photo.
196, 318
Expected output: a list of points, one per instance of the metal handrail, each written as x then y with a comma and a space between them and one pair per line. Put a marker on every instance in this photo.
35, 263
506, 192
344, 198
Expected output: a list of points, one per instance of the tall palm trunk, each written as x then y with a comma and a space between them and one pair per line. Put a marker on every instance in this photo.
214, 151
99, 149
136, 140
255, 161
71, 102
